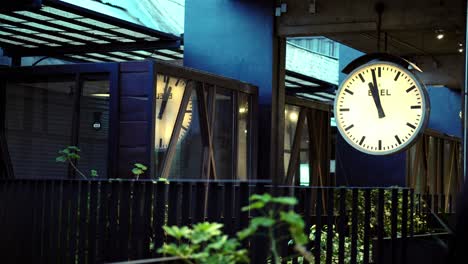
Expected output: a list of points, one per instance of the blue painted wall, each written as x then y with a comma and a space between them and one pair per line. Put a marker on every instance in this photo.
234, 38
354, 168
445, 110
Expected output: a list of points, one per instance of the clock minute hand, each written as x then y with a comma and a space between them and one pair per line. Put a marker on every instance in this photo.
164, 102
375, 96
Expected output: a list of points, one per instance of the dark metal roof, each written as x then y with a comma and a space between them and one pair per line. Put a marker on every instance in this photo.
307, 87
66, 31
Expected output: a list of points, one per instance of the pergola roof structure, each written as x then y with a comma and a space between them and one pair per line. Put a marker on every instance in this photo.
307, 87
65, 31
69, 32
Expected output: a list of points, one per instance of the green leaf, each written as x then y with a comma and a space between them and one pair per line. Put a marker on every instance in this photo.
246, 232
73, 156
263, 197
94, 173
65, 151
262, 221
285, 200
254, 205
137, 171
141, 166
60, 159
74, 148
176, 232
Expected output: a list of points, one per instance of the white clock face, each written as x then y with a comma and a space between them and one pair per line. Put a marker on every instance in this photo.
169, 93
381, 108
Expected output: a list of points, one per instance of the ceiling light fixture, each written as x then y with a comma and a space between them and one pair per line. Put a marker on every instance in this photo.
439, 34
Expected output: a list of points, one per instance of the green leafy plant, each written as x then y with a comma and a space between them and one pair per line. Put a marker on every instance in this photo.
272, 217
70, 154
204, 243
138, 170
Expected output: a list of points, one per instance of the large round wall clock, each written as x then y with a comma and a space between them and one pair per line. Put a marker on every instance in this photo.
169, 93
381, 108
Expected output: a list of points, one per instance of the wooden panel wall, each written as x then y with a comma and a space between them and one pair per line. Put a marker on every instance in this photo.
136, 88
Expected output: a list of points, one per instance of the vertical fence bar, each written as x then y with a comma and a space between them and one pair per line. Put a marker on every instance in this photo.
103, 236
124, 217
330, 220
318, 229
114, 221
308, 212
72, 238
258, 247
220, 202
159, 214
227, 208
212, 202
367, 216
380, 226
450, 204
199, 208
36, 204
243, 201
173, 204
93, 219
83, 214
146, 220
404, 226
411, 228
186, 203
138, 221
436, 204
58, 218
394, 224
342, 226
354, 226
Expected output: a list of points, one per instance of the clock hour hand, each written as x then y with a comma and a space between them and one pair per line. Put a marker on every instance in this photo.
375, 96
165, 98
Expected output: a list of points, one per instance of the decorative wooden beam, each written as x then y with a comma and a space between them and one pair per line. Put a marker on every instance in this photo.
208, 166
295, 150
167, 162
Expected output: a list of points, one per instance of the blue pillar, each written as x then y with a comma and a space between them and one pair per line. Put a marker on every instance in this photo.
234, 38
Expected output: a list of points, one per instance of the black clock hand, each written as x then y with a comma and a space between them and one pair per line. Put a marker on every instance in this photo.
165, 98
375, 96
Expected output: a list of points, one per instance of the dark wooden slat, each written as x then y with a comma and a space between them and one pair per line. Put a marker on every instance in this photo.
113, 243
67, 193
354, 226
103, 238
394, 224
48, 223
436, 203
330, 216
159, 214
57, 210
212, 202
243, 201
227, 208
404, 226
82, 228
124, 217
173, 204
186, 203
146, 219
93, 222
36, 207
318, 230
380, 226
411, 227
199, 208
342, 226
258, 249
138, 225
367, 215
